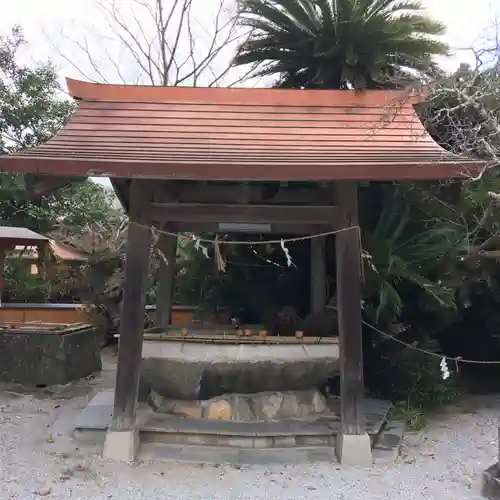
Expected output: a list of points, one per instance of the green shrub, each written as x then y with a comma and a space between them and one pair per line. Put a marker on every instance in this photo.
413, 381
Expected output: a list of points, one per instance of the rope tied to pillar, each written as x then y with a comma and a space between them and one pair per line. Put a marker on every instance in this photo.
249, 242
282, 241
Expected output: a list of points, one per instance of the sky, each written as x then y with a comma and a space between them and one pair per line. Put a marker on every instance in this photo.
42, 19
52, 27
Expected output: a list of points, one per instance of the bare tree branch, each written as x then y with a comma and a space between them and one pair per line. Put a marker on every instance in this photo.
163, 42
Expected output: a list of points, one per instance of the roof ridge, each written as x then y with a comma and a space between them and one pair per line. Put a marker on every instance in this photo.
81, 90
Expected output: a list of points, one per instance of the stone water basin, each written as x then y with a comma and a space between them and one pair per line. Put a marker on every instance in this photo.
212, 361
40, 354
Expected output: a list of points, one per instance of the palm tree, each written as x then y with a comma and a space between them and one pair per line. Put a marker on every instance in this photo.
339, 44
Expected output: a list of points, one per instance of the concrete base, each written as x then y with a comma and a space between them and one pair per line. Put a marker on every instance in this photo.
121, 446
354, 450
491, 483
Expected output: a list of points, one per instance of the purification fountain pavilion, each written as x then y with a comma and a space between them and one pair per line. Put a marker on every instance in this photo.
202, 160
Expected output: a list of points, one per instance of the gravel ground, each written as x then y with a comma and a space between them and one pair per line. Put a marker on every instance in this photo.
39, 460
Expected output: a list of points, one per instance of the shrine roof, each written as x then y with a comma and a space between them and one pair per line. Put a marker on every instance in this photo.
241, 134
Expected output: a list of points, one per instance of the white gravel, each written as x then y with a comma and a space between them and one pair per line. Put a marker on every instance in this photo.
39, 460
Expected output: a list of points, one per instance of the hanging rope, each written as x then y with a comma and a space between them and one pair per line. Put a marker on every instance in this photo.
247, 242
430, 353
282, 241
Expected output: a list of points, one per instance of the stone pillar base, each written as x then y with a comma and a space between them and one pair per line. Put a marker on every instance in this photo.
121, 446
491, 483
354, 450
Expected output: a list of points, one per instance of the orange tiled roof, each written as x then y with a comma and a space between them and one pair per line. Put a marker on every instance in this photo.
12, 236
59, 250
241, 134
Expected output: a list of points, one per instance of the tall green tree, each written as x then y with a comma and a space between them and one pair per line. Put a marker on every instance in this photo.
339, 44
32, 109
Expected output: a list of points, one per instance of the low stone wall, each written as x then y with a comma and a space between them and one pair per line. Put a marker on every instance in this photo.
48, 356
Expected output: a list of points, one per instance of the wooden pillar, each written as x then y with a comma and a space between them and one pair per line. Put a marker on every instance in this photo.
354, 444
2, 272
132, 314
318, 274
167, 245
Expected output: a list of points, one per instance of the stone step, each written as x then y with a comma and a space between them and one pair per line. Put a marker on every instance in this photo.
163, 430
216, 455
97, 436
256, 435
250, 442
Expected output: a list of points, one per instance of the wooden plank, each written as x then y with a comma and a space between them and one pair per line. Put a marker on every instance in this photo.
193, 192
318, 274
132, 314
362, 169
349, 312
167, 245
234, 340
42, 185
273, 214
213, 227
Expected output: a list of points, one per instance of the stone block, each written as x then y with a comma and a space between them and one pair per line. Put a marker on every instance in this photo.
262, 442
283, 441
313, 440
201, 439
491, 483
258, 407
186, 409
236, 442
121, 446
354, 450
218, 410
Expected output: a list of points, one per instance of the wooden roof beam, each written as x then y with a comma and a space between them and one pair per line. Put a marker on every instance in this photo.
246, 228
38, 186
190, 192
270, 214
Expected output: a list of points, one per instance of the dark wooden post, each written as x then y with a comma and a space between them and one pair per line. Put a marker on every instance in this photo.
167, 244
318, 274
354, 445
2, 272
122, 439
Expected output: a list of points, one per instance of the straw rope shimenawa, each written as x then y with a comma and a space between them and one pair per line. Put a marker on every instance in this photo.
246, 242
455, 360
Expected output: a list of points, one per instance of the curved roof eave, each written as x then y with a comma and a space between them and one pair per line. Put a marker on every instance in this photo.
187, 133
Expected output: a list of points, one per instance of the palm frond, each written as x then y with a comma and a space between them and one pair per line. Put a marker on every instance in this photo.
357, 43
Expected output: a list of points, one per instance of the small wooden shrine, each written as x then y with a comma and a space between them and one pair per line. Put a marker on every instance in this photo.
227, 160
12, 237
